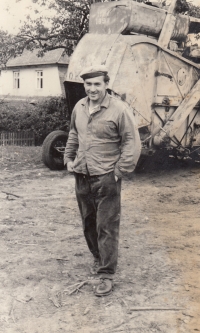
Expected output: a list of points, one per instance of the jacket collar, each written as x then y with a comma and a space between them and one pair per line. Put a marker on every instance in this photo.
105, 103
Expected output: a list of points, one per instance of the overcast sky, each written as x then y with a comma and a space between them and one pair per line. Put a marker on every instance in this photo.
11, 13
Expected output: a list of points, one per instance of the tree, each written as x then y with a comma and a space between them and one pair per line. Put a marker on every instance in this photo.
63, 30
188, 8
194, 11
7, 46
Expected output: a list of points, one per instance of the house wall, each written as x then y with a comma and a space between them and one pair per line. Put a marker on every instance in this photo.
62, 75
28, 82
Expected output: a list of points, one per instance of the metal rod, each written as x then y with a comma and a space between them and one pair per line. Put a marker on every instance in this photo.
189, 126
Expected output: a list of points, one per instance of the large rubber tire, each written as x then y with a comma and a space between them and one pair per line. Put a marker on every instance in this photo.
50, 156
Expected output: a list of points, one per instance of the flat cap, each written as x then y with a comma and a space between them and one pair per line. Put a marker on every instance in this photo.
93, 71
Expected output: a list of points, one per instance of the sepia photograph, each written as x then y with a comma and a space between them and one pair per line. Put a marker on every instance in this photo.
100, 166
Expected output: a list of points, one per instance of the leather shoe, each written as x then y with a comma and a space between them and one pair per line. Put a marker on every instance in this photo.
104, 288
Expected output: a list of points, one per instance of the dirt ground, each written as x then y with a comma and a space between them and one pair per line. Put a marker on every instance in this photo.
44, 258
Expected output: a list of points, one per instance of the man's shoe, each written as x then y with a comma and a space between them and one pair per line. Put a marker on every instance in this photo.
95, 266
104, 288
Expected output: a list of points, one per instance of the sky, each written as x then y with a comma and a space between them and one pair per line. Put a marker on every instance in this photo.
12, 12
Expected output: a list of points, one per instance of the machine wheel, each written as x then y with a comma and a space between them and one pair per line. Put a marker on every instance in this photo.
53, 149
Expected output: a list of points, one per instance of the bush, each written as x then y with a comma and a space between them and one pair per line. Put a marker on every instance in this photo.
44, 117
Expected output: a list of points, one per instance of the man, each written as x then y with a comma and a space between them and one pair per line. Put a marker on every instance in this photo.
103, 146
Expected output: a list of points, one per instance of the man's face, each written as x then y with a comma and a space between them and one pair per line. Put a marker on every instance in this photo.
95, 88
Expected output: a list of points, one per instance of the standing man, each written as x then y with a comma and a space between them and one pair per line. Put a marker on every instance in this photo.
103, 146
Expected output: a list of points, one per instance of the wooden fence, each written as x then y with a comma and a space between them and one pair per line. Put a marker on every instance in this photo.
23, 138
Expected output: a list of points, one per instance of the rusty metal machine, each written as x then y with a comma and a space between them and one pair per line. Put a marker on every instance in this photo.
154, 67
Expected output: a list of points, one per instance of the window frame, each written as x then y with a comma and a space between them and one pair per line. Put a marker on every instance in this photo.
39, 79
16, 79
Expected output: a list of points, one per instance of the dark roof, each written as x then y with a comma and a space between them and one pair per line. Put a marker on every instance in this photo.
29, 58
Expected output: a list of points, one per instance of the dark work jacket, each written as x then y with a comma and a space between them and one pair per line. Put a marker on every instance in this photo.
105, 141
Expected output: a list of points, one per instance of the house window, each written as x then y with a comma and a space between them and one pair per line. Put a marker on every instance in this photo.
39, 79
16, 80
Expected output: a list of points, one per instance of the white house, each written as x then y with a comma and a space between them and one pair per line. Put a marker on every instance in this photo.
31, 76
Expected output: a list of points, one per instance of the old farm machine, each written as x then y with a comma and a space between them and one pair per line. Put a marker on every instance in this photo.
153, 58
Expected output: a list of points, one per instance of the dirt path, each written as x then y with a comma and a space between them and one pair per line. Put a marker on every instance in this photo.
43, 253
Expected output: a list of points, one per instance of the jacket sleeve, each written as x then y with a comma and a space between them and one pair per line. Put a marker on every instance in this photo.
130, 144
72, 142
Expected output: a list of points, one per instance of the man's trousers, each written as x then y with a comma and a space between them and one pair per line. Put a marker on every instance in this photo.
99, 203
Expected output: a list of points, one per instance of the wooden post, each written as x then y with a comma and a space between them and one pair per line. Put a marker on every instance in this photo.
179, 116
168, 26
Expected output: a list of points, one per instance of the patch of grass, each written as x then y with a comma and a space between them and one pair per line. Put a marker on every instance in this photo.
10, 156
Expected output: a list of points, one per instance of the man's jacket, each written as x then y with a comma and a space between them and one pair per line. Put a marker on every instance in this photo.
105, 141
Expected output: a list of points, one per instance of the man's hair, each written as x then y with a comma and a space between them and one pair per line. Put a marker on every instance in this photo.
106, 78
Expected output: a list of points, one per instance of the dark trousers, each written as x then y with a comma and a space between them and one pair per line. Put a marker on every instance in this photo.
99, 203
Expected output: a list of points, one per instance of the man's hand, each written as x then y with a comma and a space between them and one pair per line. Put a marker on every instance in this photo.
70, 166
